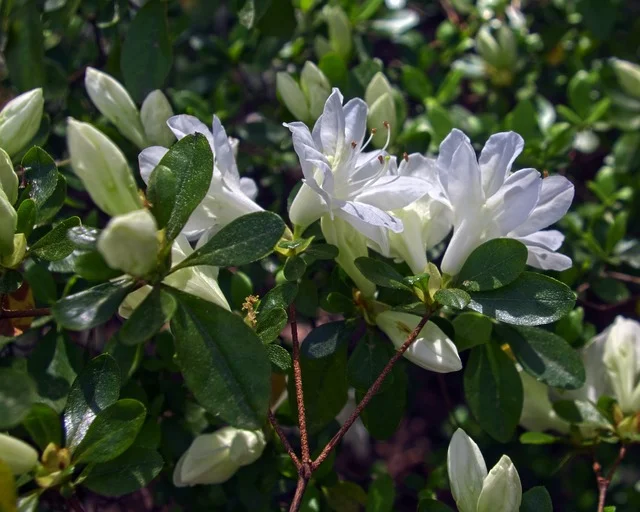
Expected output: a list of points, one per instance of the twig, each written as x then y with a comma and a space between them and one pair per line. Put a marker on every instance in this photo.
24, 313
297, 498
297, 377
370, 393
276, 426
604, 482
619, 276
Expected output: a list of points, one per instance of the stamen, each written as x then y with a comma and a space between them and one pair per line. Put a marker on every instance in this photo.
373, 132
545, 174
380, 159
353, 144
405, 156
388, 127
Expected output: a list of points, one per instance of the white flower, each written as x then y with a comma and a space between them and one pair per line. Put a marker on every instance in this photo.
129, 243
214, 458
8, 224
20, 120
537, 407
473, 489
488, 201
103, 169
154, 113
622, 360
431, 350
8, 177
229, 196
114, 102
18, 455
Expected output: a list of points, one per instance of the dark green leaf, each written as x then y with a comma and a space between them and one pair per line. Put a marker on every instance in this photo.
278, 19
281, 296
280, 358
545, 356
84, 237
161, 193
147, 52
532, 299
223, 362
380, 273
96, 388
494, 264
381, 495
536, 499
10, 281
493, 390
24, 53
41, 172
130, 471
41, 281
52, 205
44, 425
17, 394
147, 319
471, 329
366, 363
27, 214
453, 298
90, 265
270, 324
430, 505
322, 252
247, 239
127, 357
91, 307
55, 245
112, 431
580, 412
294, 268
324, 340
610, 290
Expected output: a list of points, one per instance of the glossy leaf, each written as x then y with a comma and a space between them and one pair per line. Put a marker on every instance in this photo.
44, 425
381, 273
41, 172
17, 394
56, 245
148, 318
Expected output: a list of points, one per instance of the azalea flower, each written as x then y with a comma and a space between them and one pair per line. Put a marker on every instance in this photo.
472, 487
229, 195
488, 201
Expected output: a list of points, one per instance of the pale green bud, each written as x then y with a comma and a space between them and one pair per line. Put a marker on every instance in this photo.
378, 86
20, 120
18, 455
501, 489
14, 259
339, 30
130, 243
8, 223
508, 47
382, 108
621, 359
316, 87
103, 169
292, 96
488, 47
114, 102
628, 75
214, 458
8, 177
154, 113
321, 46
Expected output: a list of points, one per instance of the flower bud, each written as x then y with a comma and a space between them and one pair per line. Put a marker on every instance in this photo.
487, 46
114, 102
8, 224
214, 458
103, 169
537, 409
339, 30
154, 113
316, 87
501, 489
18, 455
292, 96
621, 358
382, 108
14, 259
8, 177
431, 350
20, 120
628, 75
130, 243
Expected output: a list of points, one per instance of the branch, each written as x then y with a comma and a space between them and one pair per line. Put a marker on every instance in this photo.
297, 498
297, 377
276, 426
604, 482
24, 313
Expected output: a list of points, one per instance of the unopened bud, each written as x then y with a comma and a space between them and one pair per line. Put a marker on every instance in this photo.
103, 169
154, 113
114, 102
8, 223
20, 120
316, 87
130, 243
382, 108
18, 455
292, 96
488, 47
628, 75
339, 30
8, 177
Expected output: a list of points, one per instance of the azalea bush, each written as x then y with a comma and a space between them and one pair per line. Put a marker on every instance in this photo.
311, 256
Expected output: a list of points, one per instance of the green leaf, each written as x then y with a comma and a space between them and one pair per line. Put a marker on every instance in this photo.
430, 505
10, 281
130, 471
324, 340
278, 19
494, 264
270, 324
27, 215
224, 363
90, 265
381, 495
161, 193
91, 307
112, 431
147, 319
280, 358
538, 438
610, 290
321, 252
416, 83
281, 296
471, 329
366, 363
493, 390
52, 205
247, 239
55, 245
41, 172
380, 273
545, 356
17, 394
536, 499
96, 388
24, 53
191, 161
147, 52
532, 299
84, 237
453, 298
43, 425
581, 412
294, 268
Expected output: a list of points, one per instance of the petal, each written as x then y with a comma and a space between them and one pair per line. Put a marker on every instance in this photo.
433, 351
620, 359
333, 125
549, 239
184, 124
511, 206
466, 237
556, 195
537, 409
542, 246
496, 159
377, 234
393, 192
148, 160
467, 470
249, 188
355, 116
307, 207
419, 166
449, 146
462, 179
222, 150
370, 215
501, 490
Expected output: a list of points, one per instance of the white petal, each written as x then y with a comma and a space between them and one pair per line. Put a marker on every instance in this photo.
355, 115
307, 207
542, 246
222, 150
496, 159
184, 125
249, 188
467, 470
621, 360
537, 409
393, 192
333, 125
466, 237
511, 206
148, 160
549, 239
370, 215
449, 146
501, 490
462, 178
377, 234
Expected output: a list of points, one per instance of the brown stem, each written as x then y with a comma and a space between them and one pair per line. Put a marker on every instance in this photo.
604, 482
276, 426
370, 393
297, 377
619, 276
297, 498
24, 313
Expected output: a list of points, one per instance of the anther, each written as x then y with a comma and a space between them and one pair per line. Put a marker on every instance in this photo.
353, 144
386, 124
405, 156
374, 131
380, 159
